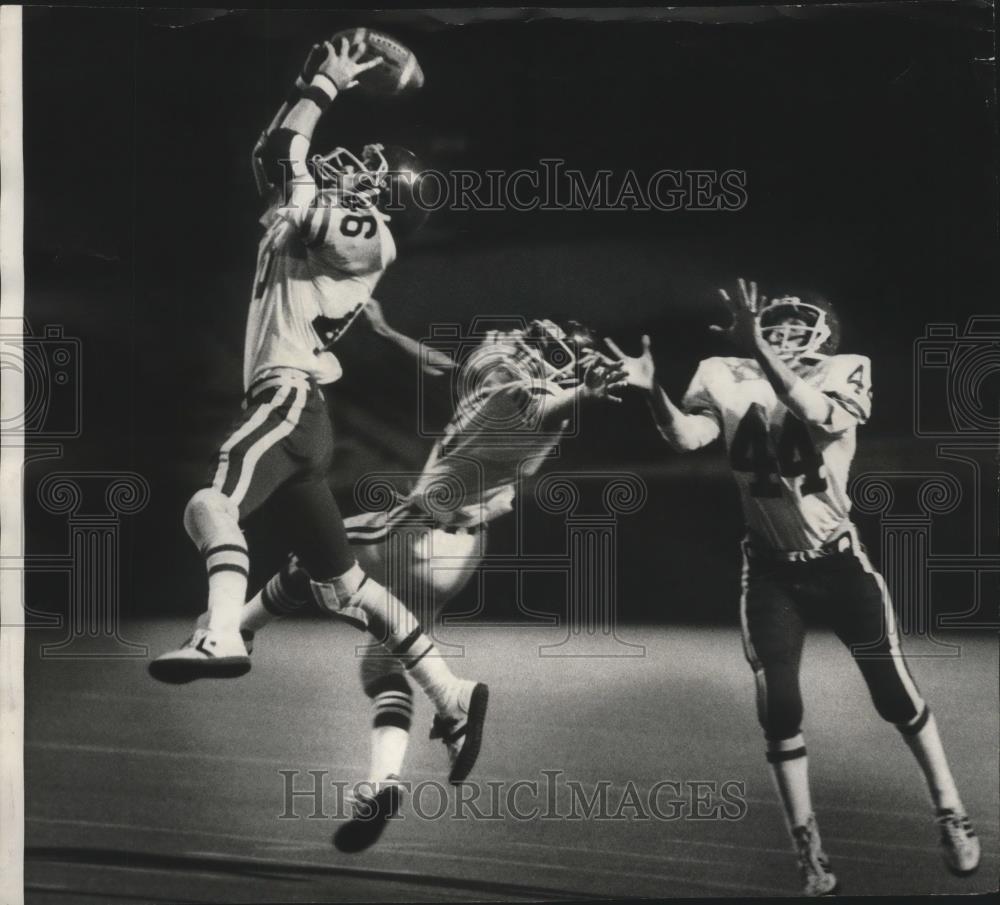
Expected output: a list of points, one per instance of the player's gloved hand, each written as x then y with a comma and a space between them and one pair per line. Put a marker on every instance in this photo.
341, 64
744, 330
640, 371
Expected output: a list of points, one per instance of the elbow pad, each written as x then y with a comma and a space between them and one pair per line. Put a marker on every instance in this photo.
276, 156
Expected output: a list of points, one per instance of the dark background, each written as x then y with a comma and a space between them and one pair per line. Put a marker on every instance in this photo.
867, 132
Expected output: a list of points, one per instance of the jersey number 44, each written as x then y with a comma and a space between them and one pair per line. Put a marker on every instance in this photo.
793, 455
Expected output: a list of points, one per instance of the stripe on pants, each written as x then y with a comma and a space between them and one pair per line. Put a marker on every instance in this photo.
749, 652
261, 446
242, 432
267, 425
890, 623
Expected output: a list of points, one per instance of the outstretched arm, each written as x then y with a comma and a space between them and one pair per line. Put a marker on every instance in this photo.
807, 402
432, 361
684, 432
317, 53
289, 140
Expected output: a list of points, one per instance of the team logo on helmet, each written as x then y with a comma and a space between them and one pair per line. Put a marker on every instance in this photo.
799, 327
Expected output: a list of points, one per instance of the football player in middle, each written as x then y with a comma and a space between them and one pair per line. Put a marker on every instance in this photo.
517, 391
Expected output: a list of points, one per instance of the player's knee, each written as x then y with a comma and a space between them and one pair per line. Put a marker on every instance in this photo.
209, 514
894, 705
342, 596
779, 709
784, 721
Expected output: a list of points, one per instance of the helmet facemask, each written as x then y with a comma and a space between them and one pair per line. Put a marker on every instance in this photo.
357, 181
794, 329
556, 352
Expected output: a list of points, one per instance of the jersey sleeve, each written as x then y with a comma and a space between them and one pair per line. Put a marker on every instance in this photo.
848, 382
699, 398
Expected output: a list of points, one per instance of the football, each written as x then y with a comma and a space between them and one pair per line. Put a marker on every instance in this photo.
398, 73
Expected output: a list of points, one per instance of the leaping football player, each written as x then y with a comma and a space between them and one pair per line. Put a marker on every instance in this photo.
518, 391
324, 249
788, 409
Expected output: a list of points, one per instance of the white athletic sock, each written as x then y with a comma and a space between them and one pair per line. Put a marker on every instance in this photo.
389, 745
923, 739
790, 771
228, 566
212, 522
255, 614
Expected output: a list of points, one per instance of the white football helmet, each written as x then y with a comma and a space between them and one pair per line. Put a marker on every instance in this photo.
798, 328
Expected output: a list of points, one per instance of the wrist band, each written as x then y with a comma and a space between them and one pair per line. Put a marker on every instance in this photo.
323, 75
318, 96
319, 93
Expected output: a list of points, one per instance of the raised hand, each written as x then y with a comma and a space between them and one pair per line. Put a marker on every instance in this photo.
341, 65
744, 329
640, 371
602, 377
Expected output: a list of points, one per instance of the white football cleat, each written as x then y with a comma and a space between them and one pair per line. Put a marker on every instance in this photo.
205, 655
814, 866
462, 731
959, 843
245, 633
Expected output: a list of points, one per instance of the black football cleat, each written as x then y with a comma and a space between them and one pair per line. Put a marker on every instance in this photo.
371, 814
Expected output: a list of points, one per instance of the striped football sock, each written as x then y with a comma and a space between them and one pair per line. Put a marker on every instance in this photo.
392, 716
228, 566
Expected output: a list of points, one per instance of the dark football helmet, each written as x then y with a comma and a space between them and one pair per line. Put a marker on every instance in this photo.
385, 177
798, 327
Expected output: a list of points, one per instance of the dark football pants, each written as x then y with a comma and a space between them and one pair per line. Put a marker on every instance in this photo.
280, 450
841, 591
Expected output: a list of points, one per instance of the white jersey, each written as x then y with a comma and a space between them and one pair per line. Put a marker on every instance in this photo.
494, 440
317, 266
792, 477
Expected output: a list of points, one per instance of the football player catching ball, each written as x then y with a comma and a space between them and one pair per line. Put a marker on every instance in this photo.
326, 245
788, 408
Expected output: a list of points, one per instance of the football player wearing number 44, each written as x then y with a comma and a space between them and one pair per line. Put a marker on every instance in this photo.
324, 249
788, 410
